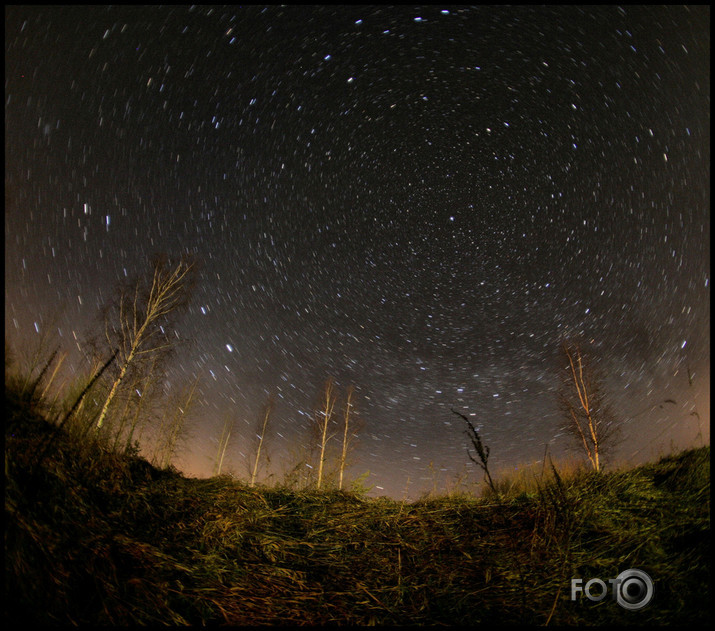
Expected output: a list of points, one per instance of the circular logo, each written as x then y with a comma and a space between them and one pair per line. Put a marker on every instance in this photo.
634, 589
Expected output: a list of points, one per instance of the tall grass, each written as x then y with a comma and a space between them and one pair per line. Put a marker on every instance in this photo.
100, 538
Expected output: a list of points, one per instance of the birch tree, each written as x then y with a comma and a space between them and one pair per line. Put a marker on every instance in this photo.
346, 435
583, 401
322, 422
223, 443
268, 408
142, 318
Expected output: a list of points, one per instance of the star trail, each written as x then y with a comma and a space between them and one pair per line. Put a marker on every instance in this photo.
420, 201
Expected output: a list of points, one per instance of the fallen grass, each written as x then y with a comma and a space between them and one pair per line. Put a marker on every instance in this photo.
94, 538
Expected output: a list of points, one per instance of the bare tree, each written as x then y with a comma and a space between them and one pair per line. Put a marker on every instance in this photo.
52, 377
583, 401
322, 423
121, 419
223, 443
79, 421
142, 318
35, 354
267, 409
174, 427
71, 411
346, 434
146, 390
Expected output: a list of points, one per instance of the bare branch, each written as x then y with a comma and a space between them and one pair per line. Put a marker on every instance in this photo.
590, 420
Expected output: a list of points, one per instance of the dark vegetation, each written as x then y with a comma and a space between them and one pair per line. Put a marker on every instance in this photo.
97, 537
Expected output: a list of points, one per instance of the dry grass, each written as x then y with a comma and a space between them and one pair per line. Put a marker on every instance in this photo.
95, 538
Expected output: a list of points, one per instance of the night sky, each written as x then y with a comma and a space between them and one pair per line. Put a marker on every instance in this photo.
419, 201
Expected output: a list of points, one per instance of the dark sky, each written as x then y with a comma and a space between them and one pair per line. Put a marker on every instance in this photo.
419, 201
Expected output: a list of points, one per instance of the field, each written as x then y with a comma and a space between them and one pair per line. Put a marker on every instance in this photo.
96, 538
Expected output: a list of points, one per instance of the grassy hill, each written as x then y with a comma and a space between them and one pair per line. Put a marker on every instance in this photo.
95, 538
